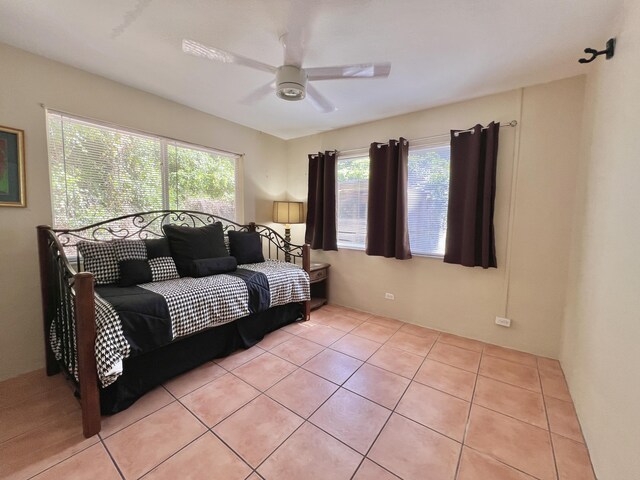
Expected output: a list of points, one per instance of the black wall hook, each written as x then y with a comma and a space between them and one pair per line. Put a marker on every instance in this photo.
608, 51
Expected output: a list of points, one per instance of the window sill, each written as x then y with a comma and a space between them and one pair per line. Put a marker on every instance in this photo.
345, 247
421, 255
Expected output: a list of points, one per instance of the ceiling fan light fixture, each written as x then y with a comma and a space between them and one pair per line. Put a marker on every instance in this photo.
291, 79
292, 93
291, 83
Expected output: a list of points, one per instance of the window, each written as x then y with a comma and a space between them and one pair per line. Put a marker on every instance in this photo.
99, 172
352, 192
428, 198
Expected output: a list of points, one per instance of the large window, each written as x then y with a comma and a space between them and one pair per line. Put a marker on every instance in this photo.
428, 195
99, 172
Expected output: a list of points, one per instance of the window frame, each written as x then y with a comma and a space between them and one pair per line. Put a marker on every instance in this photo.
430, 143
164, 142
356, 153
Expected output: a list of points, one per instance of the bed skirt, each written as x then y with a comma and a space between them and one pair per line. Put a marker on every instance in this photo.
145, 372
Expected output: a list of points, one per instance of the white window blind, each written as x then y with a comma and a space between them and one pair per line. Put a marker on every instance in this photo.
428, 197
201, 180
352, 193
99, 172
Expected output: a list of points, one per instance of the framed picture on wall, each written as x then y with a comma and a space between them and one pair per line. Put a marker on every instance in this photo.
12, 181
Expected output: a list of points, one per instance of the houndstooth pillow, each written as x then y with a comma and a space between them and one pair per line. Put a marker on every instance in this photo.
144, 261
99, 258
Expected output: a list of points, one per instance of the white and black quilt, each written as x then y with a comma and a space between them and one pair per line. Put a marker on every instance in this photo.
134, 320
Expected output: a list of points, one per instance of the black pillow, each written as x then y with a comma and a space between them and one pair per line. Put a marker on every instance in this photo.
246, 247
212, 266
194, 243
144, 261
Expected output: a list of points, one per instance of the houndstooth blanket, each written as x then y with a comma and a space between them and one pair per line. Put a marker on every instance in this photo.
133, 320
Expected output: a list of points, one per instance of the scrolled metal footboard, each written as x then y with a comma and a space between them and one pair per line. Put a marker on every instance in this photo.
68, 312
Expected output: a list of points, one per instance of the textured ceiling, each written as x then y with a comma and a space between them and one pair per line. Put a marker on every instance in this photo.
441, 51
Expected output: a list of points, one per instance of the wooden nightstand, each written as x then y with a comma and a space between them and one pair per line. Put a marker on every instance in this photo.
319, 277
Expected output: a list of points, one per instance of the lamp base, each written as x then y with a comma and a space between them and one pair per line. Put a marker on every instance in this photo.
287, 245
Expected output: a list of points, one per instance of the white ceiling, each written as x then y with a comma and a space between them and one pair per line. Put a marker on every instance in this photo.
441, 51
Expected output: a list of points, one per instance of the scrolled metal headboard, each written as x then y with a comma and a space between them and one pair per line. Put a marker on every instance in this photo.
144, 225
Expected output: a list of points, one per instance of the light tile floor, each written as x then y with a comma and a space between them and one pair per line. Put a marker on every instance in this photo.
343, 396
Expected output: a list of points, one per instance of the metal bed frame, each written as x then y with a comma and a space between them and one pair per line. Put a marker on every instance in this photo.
68, 300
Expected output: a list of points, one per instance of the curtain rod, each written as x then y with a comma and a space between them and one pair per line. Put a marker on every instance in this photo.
135, 131
512, 123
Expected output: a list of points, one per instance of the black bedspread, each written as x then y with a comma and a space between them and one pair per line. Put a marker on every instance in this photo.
145, 317
258, 285
146, 323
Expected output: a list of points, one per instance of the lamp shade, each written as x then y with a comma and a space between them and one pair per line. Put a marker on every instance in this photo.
288, 212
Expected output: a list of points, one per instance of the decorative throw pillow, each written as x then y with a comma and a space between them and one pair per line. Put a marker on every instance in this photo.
212, 266
100, 259
194, 243
226, 243
144, 261
246, 247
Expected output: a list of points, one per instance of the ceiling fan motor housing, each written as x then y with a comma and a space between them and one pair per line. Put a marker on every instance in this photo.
291, 82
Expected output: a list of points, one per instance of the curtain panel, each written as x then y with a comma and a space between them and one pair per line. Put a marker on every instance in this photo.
321, 202
387, 211
472, 192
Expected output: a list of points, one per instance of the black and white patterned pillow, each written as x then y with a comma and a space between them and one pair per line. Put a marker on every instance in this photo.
100, 259
144, 261
226, 243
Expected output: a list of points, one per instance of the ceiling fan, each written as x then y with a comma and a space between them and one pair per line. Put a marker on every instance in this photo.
291, 80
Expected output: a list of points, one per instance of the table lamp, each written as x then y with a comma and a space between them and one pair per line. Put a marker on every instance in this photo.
288, 213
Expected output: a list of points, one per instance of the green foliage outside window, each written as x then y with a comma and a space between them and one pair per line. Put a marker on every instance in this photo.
199, 180
428, 195
99, 173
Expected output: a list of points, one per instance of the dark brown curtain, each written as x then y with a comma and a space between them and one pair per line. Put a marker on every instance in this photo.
472, 192
387, 223
321, 202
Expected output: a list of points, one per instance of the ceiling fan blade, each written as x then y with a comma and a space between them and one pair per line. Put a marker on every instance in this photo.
199, 50
259, 93
300, 16
292, 42
318, 100
362, 70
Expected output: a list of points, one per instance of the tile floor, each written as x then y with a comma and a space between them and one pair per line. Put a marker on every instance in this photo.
343, 396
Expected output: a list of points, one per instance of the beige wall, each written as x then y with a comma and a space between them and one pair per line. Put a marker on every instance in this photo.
532, 240
32, 80
601, 352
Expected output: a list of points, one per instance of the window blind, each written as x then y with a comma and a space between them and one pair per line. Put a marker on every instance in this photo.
99, 172
352, 193
428, 196
201, 180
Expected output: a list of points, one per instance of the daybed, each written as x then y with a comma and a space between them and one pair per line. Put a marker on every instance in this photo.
116, 341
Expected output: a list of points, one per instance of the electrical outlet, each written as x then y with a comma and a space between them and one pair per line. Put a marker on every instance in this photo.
389, 296
503, 322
